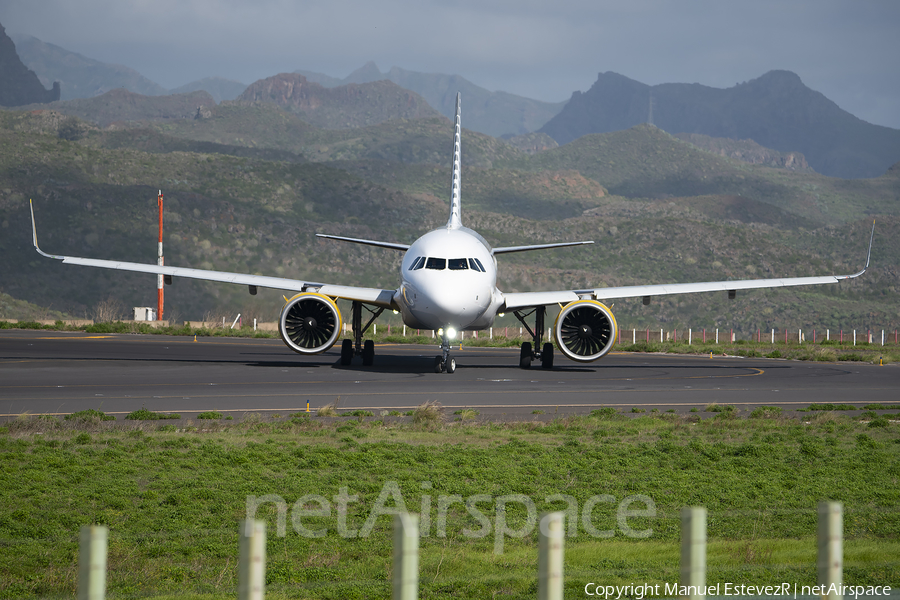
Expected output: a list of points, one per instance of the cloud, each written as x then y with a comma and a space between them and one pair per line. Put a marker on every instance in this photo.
846, 50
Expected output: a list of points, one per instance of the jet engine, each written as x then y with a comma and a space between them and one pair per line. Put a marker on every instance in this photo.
585, 330
310, 323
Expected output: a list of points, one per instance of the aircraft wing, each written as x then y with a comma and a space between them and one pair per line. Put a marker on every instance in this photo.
374, 296
528, 299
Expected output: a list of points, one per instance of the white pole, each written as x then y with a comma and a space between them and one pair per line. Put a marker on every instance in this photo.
252, 565
799, 336
689, 336
254, 323
375, 329
406, 557
717, 335
693, 552
882, 337
773, 335
828, 335
634, 336
550, 557
830, 561
661, 336
854, 337
236, 320
92, 562
492, 333
404, 330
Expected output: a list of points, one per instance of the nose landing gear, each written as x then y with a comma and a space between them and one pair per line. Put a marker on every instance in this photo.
444, 362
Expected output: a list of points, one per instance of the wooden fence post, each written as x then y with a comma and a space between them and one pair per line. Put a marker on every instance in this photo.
693, 552
92, 562
406, 557
830, 560
550, 557
252, 565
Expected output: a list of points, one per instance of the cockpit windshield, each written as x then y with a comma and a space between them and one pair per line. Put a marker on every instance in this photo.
439, 264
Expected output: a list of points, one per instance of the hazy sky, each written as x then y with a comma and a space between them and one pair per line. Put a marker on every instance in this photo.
848, 50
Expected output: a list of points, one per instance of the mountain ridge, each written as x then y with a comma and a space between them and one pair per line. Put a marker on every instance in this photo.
775, 110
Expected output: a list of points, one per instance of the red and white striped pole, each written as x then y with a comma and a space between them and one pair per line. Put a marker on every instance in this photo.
160, 261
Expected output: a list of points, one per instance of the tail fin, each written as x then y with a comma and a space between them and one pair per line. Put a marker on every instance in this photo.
455, 221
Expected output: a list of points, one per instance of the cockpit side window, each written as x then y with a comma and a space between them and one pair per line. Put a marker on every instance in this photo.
438, 264
417, 264
457, 264
480, 266
473, 264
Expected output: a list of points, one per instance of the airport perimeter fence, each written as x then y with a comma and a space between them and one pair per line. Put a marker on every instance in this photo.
627, 335
403, 570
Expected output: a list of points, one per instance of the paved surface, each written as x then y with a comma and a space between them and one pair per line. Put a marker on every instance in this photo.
59, 373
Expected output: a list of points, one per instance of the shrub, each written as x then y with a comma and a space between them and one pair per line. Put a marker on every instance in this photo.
210, 414
428, 413
146, 415
90, 415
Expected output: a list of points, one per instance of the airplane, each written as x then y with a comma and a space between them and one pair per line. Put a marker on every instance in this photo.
448, 283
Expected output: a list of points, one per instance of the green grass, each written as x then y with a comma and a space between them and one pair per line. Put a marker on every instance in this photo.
147, 415
170, 536
210, 414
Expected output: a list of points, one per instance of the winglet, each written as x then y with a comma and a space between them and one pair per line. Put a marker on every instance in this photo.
34, 232
868, 255
455, 221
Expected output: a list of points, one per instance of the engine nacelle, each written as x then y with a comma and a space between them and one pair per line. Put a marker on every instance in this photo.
310, 323
585, 330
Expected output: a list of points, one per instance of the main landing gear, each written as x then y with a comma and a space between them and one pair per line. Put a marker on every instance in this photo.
444, 362
528, 352
351, 348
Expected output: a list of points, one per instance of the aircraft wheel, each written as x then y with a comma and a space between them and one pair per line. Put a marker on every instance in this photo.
525, 355
438, 364
547, 356
451, 365
368, 353
346, 352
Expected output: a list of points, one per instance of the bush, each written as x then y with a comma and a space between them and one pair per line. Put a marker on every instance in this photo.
428, 413
146, 415
210, 414
90, 415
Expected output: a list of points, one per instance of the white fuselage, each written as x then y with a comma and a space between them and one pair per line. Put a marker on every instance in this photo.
448, 278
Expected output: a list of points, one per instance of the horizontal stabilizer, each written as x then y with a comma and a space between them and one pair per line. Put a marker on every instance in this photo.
508, 249
390, 245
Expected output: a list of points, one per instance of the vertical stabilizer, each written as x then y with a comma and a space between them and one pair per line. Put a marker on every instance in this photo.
455, 222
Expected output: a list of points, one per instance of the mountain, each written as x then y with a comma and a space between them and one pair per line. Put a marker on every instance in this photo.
219, 88
343, 107
776, 110
19, 84
120, 105
236, 207
747, 151
80, 76
493, 113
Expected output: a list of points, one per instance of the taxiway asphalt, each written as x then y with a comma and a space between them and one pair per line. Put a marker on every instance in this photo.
49, 372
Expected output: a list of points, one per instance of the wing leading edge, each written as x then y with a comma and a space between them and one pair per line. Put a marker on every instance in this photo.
374, 296
527, 299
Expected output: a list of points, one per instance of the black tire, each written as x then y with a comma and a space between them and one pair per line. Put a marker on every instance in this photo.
438, 364
547, 356
368, 353
451, 365
525, 356
346, 352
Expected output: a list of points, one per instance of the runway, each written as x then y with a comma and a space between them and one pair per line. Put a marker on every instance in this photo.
44, 372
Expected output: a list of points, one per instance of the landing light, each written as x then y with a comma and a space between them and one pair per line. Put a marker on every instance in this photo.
396, 312
451, 333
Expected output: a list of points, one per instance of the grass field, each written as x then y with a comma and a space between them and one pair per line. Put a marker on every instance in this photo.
172, 496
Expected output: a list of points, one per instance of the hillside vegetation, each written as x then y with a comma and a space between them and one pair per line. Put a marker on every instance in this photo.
247, 187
